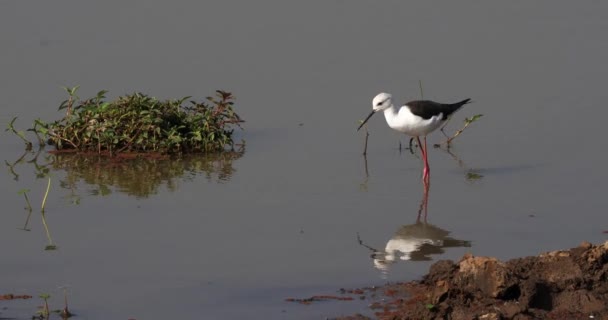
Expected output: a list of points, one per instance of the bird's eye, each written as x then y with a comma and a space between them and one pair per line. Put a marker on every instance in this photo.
381, 102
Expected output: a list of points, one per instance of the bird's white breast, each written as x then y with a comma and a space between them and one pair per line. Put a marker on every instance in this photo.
410, 124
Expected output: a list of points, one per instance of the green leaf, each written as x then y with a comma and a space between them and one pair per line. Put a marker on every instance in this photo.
73, 90
63, 105
472, 176
104, 106
474, 118
101, 94
10, 125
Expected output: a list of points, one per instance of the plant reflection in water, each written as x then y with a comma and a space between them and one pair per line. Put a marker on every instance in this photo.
137, 176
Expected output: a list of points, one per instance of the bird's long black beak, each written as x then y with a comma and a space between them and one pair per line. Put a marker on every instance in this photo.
364, 121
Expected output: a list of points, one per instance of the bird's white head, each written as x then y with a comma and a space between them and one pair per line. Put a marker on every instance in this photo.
382, 101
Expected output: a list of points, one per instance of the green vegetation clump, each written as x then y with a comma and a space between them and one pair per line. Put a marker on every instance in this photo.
139, 123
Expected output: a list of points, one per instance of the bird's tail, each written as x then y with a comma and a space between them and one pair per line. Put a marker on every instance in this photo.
453, 107
459, 105
463, 102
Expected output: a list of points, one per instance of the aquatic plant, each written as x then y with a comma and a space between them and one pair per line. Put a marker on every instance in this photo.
51, 245
46, 194
472, 176
467, 122
20, 134
139, 123
65, 312
45, 312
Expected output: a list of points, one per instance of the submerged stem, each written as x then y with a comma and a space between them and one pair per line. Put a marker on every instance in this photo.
48, 187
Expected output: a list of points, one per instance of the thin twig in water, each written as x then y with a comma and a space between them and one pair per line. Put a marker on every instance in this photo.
467, 122
366, 138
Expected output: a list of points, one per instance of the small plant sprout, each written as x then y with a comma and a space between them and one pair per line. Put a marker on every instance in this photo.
20, 134
46, 193
72, 97
467, 122
65, 312
51, 245
472, 176
45, 312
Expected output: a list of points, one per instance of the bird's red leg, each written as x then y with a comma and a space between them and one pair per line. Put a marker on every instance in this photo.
423, 151
421, 147
427, 168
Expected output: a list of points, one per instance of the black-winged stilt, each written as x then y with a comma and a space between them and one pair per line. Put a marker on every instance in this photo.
415, 118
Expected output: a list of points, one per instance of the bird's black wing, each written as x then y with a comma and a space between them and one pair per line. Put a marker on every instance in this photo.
427, 109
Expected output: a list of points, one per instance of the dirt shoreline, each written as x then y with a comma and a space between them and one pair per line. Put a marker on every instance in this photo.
565, 284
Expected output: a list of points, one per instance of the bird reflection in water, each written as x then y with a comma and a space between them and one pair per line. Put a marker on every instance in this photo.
415, 242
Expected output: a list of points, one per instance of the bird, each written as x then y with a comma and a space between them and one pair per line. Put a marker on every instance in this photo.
416, 118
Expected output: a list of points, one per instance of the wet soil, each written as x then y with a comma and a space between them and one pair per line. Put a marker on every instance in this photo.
568, 284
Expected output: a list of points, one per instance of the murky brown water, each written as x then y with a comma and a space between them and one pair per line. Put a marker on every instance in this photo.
232, 238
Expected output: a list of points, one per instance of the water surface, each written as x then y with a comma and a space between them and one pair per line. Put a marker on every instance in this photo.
206, 238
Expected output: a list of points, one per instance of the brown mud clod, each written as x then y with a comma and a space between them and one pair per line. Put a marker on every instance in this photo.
568, 284
10, 296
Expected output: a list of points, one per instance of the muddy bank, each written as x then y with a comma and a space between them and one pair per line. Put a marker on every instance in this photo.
568, 284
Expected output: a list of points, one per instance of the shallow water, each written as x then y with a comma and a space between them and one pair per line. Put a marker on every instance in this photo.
233, 238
